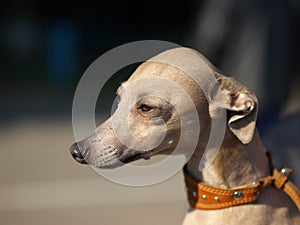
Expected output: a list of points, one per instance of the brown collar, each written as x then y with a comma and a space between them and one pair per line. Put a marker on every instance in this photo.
203, 196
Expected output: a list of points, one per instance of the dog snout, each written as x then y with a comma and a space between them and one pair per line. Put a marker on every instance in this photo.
78, 153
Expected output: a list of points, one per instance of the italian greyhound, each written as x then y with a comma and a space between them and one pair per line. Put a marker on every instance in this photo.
241, 157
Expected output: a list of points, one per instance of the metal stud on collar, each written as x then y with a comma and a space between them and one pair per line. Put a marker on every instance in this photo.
238, 195
204, 197
285, 171
216, 198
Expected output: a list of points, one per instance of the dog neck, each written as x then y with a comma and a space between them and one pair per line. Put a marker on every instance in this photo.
235, 164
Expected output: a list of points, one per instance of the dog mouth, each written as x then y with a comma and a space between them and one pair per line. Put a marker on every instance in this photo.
125, 157
136, 155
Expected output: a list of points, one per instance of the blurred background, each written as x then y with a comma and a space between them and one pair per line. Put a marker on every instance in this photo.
45, 47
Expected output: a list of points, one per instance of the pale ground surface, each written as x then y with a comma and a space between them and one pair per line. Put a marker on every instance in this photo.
41, 184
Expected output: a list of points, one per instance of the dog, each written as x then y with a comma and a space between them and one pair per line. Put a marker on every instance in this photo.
241, 157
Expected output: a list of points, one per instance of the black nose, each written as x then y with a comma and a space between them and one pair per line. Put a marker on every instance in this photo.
78, 154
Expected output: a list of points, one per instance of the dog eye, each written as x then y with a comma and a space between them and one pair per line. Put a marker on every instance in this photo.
145, 108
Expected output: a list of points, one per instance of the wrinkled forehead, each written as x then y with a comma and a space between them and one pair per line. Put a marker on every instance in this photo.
155, 85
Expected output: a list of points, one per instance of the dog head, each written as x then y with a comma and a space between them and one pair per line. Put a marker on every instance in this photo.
148, 120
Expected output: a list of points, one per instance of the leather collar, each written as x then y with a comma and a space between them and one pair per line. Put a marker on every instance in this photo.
203, 196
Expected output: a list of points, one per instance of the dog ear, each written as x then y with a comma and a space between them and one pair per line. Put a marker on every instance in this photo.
241, 106
242, 114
